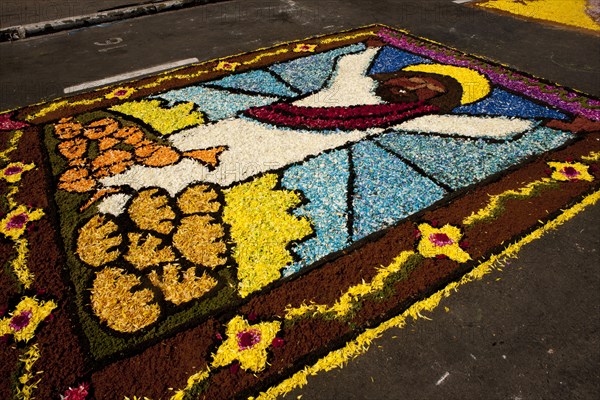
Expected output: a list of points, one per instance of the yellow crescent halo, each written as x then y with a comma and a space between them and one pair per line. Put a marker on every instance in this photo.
475, 85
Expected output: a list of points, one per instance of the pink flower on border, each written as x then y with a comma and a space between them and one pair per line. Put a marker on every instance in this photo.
9, 124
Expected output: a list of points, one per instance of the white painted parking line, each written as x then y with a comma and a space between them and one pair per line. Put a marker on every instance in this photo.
130, 75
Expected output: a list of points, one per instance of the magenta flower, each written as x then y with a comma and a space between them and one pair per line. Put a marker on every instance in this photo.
20, 320
440, 239
570, 172
248, 339
13, 170
17, 221
278, 343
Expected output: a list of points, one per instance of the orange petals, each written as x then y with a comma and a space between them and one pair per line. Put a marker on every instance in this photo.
73, 149
130, 135
159, 155
101, 128
76, 180
111, 162
206, 156
67, 129
106, 143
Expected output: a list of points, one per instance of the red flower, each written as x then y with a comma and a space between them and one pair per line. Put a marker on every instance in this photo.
78, 393
8, 124
234, 368
278, 343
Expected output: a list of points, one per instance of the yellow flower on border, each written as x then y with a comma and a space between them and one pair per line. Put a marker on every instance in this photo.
305, 48
13, 171
247, 344
570, 171
15, 222
122, 92
441, 241
227, 66
26, 317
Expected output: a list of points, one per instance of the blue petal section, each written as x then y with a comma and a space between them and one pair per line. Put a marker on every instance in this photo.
324, 182
217, 104
258, 81
390, 59
310, 73
386, 189
461, 162
501, 102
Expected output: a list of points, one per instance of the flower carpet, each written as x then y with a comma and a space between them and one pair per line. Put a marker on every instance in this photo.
583, 14
223, 230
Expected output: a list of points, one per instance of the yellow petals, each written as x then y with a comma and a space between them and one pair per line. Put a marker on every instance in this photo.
121, 93
12, 172
354, 294
25, 318
97, 241
122, 309
144, 251
247, 344
181, 289
497, 201
25, 390
199, 239
441, 241
19, 264
570, 171
571, 12
262, 227
227, 66
200, 198
151, 211
13, 225
305, 48
162, 119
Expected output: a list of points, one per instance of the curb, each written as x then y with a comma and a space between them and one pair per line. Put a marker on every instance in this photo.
13, 33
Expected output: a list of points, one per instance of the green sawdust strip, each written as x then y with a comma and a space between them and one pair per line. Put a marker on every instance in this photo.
361, 344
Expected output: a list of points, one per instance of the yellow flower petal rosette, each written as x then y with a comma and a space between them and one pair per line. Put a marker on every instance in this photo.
13, 171
227, 66
570, 171
247, 344
26, 317
13, 225
441, 241
305, 48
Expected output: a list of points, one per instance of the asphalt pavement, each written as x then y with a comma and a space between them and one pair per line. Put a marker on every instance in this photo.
531, 331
